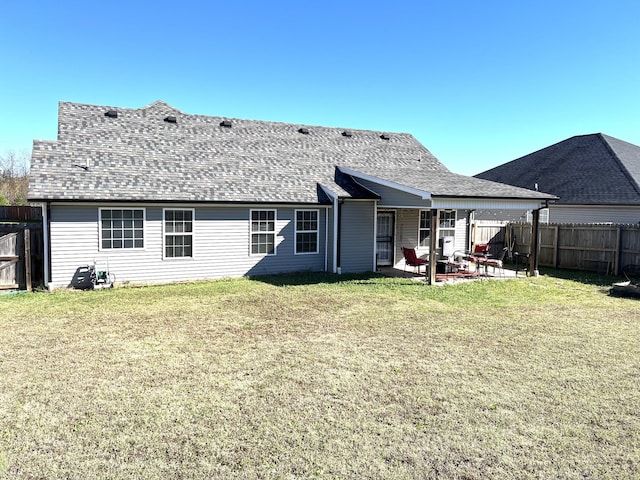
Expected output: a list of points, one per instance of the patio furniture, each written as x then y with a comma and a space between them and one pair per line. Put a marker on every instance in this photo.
525, 262
497, 262
449, 263
411, 259
479, 255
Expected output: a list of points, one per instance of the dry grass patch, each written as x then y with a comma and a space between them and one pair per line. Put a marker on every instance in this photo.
366, 378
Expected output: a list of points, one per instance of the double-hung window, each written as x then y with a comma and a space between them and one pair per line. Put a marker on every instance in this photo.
544, 216
121, 228
424, 230
306, 231
446, 225
263, 232
178, 233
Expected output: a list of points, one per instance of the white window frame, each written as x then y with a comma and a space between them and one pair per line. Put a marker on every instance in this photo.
263, 232
543, 218
316, 231
165, 233
420, 229
452, 217
446, 231
101, 248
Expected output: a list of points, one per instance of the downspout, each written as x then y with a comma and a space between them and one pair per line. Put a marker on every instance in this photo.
375, 234
326, 239
338, 230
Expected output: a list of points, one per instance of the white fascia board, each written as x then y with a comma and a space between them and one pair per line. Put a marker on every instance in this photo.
329, 192
403, 188
466, 203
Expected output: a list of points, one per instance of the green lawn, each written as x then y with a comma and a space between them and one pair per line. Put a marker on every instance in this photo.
309, 377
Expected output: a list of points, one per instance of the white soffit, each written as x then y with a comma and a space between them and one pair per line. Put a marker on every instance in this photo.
486, 204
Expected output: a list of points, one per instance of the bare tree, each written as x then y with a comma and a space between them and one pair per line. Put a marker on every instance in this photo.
14, 177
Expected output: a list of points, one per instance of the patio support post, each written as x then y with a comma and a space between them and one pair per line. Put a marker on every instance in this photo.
433, 242
471, 227
535, 243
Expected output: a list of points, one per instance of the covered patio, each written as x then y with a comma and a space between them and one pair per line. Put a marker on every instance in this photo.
453, 277
427, 214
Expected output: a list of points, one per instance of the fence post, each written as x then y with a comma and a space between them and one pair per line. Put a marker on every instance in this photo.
618, 253
556, 237
27, 258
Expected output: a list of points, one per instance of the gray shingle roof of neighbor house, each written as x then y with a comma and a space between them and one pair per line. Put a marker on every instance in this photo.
593, 169
157, 153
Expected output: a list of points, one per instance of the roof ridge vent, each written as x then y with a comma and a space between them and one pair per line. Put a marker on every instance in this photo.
304, 131
347, 133
226, 123
385, 136
171, 119
111, 113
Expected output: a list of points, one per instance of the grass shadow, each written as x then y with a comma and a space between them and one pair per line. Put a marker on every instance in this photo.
316, 278
587, 278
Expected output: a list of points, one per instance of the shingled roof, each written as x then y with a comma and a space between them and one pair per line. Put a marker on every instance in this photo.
158, 153
593, 169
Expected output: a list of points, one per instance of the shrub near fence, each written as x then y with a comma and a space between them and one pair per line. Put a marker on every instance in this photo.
597, 248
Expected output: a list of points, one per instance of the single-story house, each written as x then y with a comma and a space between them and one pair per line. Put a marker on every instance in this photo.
596, 177
161, 195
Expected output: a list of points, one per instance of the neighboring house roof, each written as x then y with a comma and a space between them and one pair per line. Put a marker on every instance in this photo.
591, 169
157, 153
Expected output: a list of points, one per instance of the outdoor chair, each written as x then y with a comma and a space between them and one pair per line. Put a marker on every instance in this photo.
479, 255
497, 262
411, 259
522, 258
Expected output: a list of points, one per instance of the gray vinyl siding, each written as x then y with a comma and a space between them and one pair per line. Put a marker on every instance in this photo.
594, 214
407, 223
357, 251
221, 246
462, 229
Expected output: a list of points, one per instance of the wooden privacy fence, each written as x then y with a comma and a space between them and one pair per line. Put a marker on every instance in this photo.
21, 248
20, 258
20, 214
597, 248
490, 234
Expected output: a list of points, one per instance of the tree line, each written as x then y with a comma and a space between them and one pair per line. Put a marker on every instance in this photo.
14, 178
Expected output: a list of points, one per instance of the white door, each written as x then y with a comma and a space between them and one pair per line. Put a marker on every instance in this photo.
384, 238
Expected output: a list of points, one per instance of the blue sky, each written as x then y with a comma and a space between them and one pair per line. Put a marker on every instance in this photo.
478, 83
